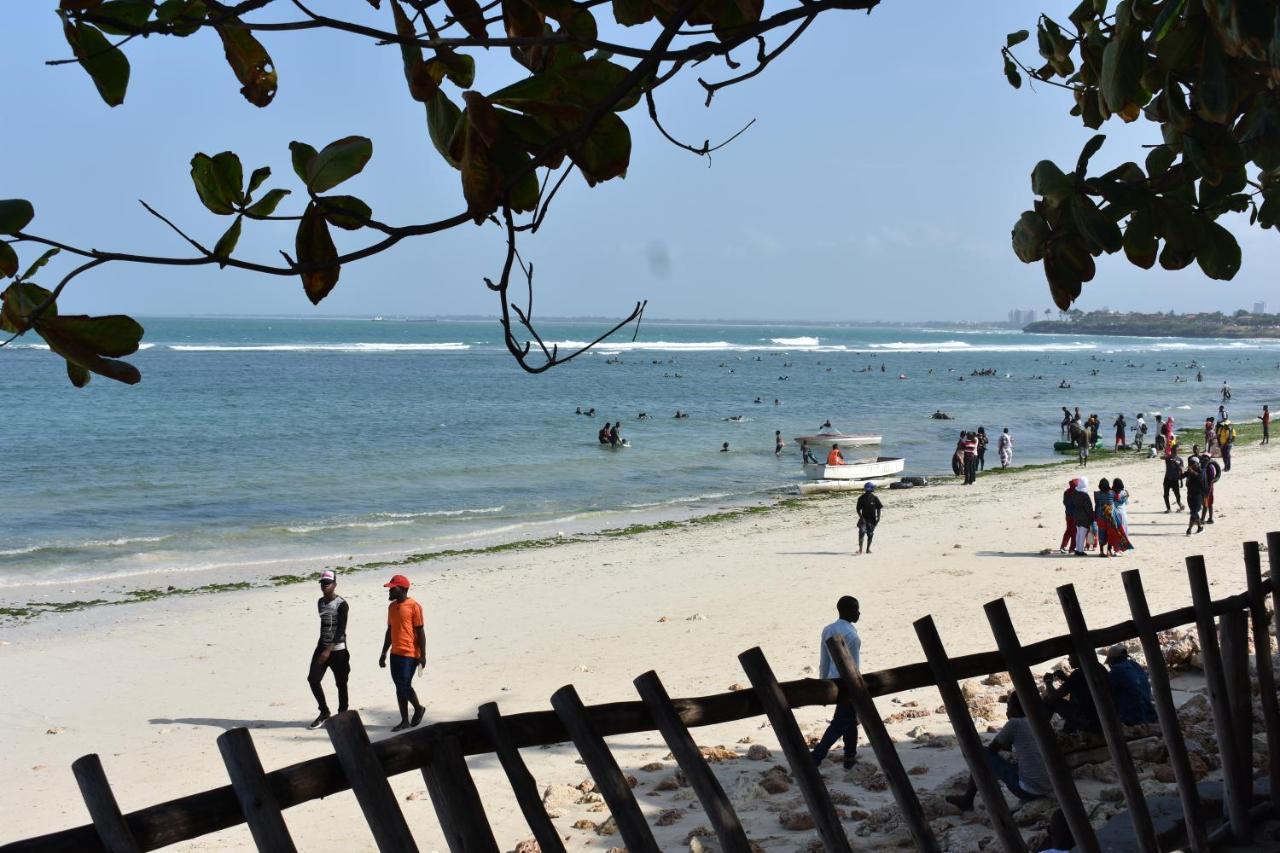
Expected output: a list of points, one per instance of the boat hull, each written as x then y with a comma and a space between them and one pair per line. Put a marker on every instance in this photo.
826, 439
858, 470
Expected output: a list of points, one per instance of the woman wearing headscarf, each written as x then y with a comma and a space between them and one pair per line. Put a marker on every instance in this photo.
1069, 536
1111, 537
1080, 508
1122, 504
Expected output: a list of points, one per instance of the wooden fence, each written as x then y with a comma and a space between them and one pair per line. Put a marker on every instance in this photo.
439, 751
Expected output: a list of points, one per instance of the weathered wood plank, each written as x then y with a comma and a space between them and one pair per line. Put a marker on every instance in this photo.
369, 782
1024, 683
971, 746
886, 754
604, 769
785, 728
257, 801
1143, 829
522, 781
1166, 711
1233, 641
455, 799
719, 811
1219, 701
1263, 661
183, 818
109, 824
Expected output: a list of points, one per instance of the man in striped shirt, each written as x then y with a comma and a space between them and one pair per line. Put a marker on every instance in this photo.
331, 649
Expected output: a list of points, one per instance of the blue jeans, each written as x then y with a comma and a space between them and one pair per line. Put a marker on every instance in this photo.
843, 725
402, 668
1007, 772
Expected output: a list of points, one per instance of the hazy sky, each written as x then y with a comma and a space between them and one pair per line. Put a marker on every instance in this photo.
888, 161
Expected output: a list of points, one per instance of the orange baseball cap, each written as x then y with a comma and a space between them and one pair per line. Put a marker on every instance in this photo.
398, 580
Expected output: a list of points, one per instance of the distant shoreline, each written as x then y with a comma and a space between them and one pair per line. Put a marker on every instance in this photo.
1216, 325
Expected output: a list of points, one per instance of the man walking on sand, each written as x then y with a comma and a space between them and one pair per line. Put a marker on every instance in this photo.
869, 507
331, 650
845, 723
408, 645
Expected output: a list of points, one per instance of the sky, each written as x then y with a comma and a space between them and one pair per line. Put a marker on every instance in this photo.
887, 163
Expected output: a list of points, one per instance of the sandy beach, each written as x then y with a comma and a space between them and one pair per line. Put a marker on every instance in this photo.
149, 686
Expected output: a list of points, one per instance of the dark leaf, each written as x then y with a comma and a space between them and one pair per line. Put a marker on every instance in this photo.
8, 260
1099, 232
443, 117
521, 20
1159, 159
250, 62
302, 155
257, 178
1015, 38
1029, 235
460, 68
217, 180
1218, 253
337, 162
1175, 258
606, 151
266, 205
227, 242
78, 375
1167, 18
15, 213
1215, 98
1011, 73
183, 16
86, 340
1123, 61
105, 63
629, 13
1090, 148
345, 211
422, 82
122, 17
314, 245
477, 133
21, 299
39, 262
467, 13
1140, 241
1049, 181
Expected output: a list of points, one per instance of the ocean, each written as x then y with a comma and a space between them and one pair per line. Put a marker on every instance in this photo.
264, 446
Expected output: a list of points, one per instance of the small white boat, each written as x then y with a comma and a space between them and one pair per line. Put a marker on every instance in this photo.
823, 440
880, 468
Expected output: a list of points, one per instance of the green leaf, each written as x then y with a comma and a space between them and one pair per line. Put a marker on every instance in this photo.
1215, 98
184, 16
217, 180
1086, 154
39, 262
105, 63
1175, 258
1016, 38
122, 17
1167, 18
227, 242
86, 340
1159, 159
257, 178
314, 245
443, 116
302, 155
460, 68
468, 13
266, 205
345, 211
1218, 253
337, 162
1011, 73
8, 260
630, 13
1099, 232
21, 299
250, 62
1123, 61
606, 151
1029, 235
15, 213
1140, 241
1049, 181
78, 375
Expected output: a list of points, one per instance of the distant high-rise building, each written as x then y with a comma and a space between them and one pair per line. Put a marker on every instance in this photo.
1259, 307
1018, 317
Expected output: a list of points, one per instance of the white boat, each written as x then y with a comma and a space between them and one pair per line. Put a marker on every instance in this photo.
862, 470
823, 440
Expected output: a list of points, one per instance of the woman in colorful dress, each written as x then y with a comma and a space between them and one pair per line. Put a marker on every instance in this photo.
1111, 538
1121, 505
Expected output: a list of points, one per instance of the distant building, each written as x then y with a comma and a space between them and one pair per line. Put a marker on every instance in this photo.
1259, 307
1018, 317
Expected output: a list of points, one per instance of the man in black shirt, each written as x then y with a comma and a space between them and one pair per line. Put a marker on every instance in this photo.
869, 507
331, 650
1173, 480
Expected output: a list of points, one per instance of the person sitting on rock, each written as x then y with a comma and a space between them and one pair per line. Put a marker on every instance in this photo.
1068, 696
1130, 688
1025, 776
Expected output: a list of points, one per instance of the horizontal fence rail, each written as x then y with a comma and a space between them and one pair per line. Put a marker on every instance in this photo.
217, 809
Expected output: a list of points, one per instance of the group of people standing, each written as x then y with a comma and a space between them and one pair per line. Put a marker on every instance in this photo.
1099, 521
970, 455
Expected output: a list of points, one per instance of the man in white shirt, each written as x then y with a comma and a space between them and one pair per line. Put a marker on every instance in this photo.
845, 723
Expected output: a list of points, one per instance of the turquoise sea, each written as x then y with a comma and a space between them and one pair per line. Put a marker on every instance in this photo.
260, 446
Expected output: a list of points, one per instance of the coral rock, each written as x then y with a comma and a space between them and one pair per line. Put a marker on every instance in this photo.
669, 816
759, 752
796, 821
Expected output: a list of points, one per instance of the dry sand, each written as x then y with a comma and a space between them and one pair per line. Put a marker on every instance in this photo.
149, 686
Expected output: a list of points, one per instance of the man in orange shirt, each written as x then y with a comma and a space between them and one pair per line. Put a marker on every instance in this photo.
835, 457
408, 645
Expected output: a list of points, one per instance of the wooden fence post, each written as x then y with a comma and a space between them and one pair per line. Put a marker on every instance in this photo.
724, 820
522, 781
113, 831
605, 771
369, 783
257, 801
1166, 711
455, 798
1143, 830
1215, 680
975, 754
760, 674
1041, 728
1264, 662
899, 782
1233, 640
